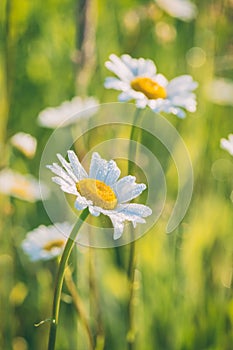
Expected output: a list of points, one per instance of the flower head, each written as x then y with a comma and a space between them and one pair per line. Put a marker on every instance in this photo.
24, 187
182, 9
46, 242
137, 79
101, 190
227, 144
68, 112
25, 143
220, 91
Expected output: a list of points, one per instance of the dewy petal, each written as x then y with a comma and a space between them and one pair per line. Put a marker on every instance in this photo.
134, 211
94, 211
67, 166
64, 186
81, 202
118, 227
56, 169
126, 189
102, 170
126, 212
77, 167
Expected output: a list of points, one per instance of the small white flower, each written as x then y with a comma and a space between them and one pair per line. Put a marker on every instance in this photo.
101, 191
25, 143
220, 91
227, 144
182, 9
137, 79
25, 187
68, 112
46, 242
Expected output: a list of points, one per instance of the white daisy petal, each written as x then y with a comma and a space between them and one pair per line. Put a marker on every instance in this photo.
118, 227
94, 211
185, 10
60, 181
117, 66
102, 170
126, 189
67, 167
81, 202
56, 169
135, 210
114, 83
227, 144
77, 167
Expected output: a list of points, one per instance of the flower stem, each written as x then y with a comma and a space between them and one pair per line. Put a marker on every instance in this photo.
134, 136
60, 277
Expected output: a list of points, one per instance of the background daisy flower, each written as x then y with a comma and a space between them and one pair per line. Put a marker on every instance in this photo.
24, 187
46, 242
101, 191
25, 143
137, 79
68, 112
227, 144
182, 9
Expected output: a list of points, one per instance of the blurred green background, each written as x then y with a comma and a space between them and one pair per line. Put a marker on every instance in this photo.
53, 51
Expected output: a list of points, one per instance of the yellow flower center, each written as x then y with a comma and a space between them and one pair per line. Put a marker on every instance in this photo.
148, 87
58, 243
98, 192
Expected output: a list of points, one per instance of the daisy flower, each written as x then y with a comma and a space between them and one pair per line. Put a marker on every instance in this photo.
137, 79
46, 242
228, 144
101, 190
25, 143
24, 187
182, 9
220, 91
68, 112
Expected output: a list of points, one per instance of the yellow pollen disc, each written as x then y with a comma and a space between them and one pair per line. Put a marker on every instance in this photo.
148, 87
58, 243
98, 192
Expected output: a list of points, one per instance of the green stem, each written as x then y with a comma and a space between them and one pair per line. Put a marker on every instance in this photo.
134, 136
60, 277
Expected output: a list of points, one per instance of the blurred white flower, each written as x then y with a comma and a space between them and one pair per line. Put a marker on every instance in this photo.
68, 112
182, 9
101, 191
227, 144
24, 187
137, 79
46, 242
220, 91
25, 143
